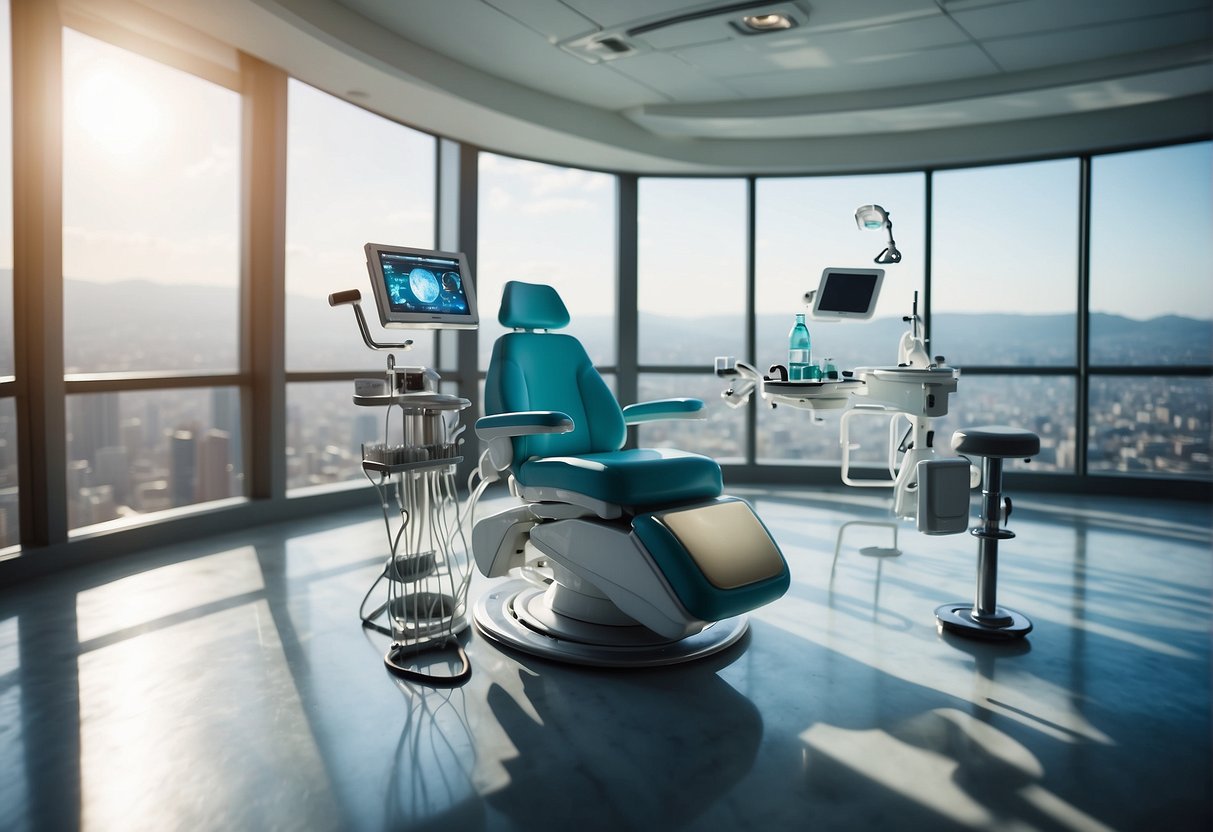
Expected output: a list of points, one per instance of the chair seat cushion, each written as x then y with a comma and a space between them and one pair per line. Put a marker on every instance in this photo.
631, 477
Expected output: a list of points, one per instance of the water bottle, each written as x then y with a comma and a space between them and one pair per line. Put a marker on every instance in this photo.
799, 350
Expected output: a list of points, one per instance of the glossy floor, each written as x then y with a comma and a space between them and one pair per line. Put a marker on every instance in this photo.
227, 684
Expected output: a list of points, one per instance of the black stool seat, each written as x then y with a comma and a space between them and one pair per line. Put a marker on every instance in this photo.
996, 441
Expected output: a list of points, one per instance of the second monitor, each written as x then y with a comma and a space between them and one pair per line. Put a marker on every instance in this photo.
847, 293
420, 288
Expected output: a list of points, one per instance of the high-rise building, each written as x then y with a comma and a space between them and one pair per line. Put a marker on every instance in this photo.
183, 467
93, 423
214, 467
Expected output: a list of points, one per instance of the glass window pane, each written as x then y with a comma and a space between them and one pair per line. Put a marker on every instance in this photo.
352, 178
808, 224
8, 418
151, 182
1004, 275
6, 196
1043, 404
325, 432
1151, 425
545, 224
691, 270
146, 451
1151, 301
721, 436
791, 435
9, 512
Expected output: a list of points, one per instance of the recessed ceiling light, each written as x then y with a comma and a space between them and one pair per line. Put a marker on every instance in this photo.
754, 24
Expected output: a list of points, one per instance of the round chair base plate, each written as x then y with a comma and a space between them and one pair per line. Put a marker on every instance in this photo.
497, 617
958, 618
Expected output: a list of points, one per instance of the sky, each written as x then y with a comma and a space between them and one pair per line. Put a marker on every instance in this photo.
151, 191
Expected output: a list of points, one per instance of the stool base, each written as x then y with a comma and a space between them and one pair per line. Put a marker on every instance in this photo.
958, 618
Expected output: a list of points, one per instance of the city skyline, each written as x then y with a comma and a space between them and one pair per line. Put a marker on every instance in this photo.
145, 451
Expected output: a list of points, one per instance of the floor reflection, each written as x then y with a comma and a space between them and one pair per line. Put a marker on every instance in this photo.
227, 683
649, 749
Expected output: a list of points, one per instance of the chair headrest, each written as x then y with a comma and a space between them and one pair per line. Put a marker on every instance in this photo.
531, 306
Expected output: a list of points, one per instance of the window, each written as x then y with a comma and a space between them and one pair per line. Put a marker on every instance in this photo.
8, 417
150, 214
1004, 279
1151, 278
691, 303
325, 433
1151, 310
9, 508
804, 225
138, 452
720, 436
1043, 404
1150, 425
352, 178
546, 224
691, 266
151, 175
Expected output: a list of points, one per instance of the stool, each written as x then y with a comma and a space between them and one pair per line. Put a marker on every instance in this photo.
984, 618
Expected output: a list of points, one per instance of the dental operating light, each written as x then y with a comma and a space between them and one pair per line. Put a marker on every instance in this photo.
873, 218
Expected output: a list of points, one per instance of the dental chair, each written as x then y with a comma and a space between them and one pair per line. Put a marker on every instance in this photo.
617, 557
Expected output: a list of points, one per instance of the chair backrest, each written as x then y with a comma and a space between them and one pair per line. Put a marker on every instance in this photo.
533, 370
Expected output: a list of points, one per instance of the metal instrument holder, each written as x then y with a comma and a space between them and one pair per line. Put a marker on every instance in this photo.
423, 587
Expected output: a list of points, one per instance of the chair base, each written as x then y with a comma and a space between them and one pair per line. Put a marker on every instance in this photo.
513, 615
1005, 624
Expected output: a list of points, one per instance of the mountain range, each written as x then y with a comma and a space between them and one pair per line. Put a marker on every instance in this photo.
140, 325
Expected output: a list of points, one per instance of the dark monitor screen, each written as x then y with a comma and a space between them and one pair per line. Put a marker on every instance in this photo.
847, 293
421, 289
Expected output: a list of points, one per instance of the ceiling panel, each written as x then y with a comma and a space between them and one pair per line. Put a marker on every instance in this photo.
934, 66
555, 21
907, 36
495, 43
1085, 97
829, 15
1029, 16
835, 51
691, 33
611, 13
673, 77
1076, 45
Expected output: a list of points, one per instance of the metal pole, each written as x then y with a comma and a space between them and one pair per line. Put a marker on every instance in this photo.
985, 606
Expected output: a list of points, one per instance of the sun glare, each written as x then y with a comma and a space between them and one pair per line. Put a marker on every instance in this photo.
117, 115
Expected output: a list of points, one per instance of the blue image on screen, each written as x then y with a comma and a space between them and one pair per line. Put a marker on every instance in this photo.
423, 284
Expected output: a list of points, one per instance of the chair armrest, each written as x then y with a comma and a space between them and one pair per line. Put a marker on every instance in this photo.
659, 409
523, 423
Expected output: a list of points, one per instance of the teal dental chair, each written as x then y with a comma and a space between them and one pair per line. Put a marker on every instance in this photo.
618, 557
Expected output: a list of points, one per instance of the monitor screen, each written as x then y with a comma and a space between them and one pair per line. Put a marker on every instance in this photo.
421, 289
847, 293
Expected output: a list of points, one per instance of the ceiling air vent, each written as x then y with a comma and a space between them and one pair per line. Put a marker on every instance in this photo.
599, 47
613, 44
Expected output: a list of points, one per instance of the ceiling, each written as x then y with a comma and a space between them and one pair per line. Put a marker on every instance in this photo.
678, 86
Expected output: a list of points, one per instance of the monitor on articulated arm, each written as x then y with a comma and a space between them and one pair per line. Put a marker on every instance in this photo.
846, 294
421, 289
